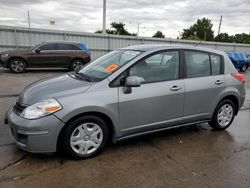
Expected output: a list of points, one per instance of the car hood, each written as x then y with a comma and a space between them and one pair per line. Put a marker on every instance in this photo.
53, 87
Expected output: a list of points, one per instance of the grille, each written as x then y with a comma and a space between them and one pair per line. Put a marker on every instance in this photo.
19, 107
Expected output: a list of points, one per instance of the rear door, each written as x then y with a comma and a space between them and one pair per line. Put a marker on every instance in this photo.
203, 84
63, 54
158, 102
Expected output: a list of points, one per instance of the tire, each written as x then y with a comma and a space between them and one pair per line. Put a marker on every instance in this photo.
76, 64
244, 68
220, 120
85, 137
17, 65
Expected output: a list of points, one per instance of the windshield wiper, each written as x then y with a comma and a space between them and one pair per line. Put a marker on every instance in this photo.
83, 76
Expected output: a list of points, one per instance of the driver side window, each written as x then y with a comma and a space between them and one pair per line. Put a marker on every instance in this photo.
49, 46
162, 66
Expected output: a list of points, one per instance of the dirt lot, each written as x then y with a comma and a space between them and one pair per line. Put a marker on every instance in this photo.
193, 156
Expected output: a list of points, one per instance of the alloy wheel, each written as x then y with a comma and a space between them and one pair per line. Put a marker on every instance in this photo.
244, 68
77, 65
17, 66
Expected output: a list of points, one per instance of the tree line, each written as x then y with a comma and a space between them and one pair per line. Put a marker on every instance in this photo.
200, 30
118, 28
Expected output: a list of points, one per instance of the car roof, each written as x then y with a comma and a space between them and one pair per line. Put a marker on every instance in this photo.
62, 42
152, 47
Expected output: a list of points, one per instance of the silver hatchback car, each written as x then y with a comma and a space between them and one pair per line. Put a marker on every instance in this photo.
128, 92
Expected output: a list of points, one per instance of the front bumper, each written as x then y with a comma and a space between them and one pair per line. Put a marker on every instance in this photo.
36, 136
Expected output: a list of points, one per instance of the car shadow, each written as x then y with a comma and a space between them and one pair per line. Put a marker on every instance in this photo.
180, 133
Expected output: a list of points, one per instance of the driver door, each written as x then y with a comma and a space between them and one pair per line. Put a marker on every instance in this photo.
45, 57
158, 102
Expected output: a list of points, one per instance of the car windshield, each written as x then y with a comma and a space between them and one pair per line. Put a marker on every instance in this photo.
34, 47
106, 65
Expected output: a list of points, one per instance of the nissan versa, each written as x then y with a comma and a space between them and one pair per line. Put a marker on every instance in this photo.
125, 93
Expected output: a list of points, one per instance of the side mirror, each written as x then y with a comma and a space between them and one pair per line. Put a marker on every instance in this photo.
132, 81
37, 50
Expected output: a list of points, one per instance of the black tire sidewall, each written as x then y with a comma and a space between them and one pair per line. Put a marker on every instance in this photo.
71, 127
17, 59
72, 63
214, 123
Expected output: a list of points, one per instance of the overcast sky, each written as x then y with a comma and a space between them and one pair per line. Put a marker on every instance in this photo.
168, 16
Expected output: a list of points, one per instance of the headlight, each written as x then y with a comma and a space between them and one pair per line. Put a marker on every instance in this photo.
4, 55
41, 109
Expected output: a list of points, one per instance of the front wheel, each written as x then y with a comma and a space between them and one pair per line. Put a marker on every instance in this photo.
17, 65
244, 68
85, 137
223, 116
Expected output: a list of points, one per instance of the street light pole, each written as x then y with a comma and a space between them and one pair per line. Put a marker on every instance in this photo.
104, 18
29, 19
29, 27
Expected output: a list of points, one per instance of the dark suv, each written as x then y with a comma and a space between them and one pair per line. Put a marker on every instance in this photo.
45, 55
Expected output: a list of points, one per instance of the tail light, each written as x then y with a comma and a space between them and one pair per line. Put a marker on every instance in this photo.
239, 77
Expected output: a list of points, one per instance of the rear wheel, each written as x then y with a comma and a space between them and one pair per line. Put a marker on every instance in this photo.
76, 65
17, 65
85, 137
244, 68
223, 115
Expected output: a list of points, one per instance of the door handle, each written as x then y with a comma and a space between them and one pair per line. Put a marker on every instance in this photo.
218, 82
175, 88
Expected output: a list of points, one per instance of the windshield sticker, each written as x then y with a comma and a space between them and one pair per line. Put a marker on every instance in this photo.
111, 68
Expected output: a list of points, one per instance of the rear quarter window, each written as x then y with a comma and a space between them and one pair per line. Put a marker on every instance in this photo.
216, 64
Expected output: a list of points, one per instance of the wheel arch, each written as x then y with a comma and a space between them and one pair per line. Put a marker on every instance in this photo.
234, 99
101, 115
17, 57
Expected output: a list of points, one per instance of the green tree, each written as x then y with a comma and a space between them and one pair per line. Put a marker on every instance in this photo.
202, 29
247, 40
192, 37
108, 31
117, 28
159, 34
240, 38
223, 37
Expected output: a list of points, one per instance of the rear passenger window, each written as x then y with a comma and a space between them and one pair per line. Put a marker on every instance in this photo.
62, 46
197, 64
215, 64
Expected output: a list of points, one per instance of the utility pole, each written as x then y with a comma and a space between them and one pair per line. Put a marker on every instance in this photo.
29, 27
220, 25
104, 18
